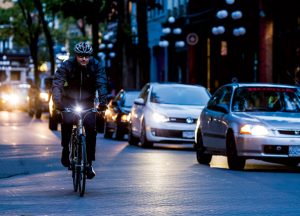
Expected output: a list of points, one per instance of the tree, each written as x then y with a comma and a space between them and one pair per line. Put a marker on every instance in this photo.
47, 33
87, 11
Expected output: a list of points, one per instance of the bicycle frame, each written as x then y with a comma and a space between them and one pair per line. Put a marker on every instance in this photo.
78, 156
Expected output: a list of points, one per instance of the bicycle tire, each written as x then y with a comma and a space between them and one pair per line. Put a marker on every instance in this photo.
73, 159
83, 164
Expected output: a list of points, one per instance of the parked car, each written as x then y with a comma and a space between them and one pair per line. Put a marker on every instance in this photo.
250, 121
166, 113
14, 96
39, 96
116, 114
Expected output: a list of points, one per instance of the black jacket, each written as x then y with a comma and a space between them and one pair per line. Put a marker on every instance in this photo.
73, 84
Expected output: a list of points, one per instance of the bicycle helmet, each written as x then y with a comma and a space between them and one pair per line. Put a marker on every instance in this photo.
83, 48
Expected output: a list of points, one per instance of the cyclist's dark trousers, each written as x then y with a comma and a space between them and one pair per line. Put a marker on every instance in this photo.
89, 123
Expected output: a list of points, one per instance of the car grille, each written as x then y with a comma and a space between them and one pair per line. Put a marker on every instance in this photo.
167, 133
277, 149
289, 132
183, 120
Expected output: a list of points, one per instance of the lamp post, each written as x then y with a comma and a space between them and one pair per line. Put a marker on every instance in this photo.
106, 51
4, 66
171, 40
223, 15
230, 31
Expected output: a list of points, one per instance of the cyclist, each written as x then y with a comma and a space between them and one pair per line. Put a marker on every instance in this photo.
76, 82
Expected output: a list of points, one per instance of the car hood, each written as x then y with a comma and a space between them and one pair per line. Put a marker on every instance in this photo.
177, 110
278, 119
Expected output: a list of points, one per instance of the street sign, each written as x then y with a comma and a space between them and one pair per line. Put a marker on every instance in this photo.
192, 39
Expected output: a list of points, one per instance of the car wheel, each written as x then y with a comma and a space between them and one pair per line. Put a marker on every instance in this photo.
31, 113
38, 114
53, 124
202, 158
145, 143
107, 133
234, 161
132, 140
119, 133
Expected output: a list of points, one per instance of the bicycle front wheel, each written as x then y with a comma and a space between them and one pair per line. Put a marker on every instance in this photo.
83, 163
74, 160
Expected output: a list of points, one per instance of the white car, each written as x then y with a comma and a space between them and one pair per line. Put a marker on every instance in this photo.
166, 113
250, 121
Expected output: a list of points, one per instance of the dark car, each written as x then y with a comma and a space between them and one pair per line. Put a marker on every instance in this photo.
116, 115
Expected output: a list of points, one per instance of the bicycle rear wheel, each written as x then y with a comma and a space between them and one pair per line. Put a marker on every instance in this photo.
83, 163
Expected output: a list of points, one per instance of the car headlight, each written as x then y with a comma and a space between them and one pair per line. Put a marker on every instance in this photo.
44, 96
256, 130
159, 117
13, 99
124, 118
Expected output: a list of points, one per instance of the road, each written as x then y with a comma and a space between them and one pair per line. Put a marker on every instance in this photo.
130, 180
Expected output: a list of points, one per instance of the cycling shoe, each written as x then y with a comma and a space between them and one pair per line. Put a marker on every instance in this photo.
90, 173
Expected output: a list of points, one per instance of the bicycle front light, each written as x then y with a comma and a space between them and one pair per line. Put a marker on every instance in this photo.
78, 109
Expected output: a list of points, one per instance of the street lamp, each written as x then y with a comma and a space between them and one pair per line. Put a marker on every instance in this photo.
223, 14
4, 66
106, 50
171, 40
230, 32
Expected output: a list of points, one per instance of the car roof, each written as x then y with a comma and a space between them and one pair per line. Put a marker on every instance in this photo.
173, 84
261, 85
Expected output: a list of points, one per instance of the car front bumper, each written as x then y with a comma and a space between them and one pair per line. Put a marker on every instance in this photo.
171, 133
268, 147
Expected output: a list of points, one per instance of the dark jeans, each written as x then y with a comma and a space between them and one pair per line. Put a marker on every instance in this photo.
89, 123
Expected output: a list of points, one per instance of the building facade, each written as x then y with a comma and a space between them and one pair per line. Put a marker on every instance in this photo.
265, 50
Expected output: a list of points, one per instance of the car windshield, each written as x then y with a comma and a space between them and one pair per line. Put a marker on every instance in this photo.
180, 95
270, 99
130, 96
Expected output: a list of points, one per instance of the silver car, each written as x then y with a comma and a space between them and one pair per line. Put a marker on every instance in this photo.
257, 121
166, 113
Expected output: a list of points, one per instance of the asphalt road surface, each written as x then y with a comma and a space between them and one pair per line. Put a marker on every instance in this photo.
130, 180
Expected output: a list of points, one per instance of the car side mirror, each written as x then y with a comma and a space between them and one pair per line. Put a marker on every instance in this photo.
139, 101
220, 108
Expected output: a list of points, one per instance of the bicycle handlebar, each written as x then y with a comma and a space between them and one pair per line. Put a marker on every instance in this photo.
76, 110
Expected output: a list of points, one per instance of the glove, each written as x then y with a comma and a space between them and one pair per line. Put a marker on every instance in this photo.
102, 107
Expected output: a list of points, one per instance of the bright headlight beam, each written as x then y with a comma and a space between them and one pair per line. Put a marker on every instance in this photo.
159, 117
44, 96
256, 130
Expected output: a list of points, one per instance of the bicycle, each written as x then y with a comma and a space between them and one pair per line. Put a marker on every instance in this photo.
77, 146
